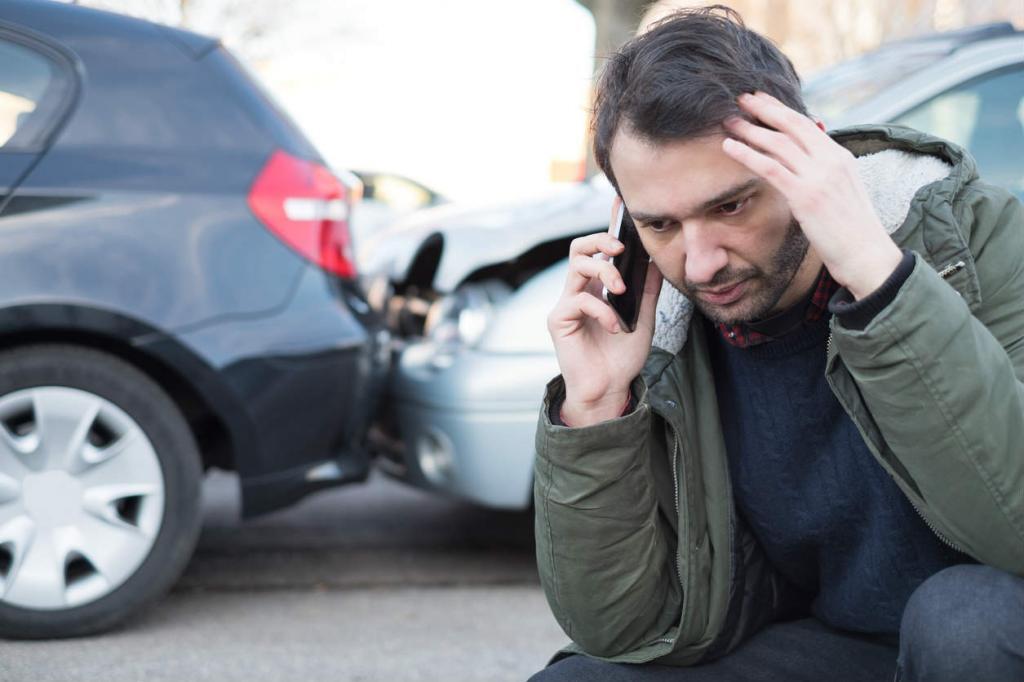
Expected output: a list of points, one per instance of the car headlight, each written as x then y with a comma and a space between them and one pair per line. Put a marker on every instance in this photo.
462, 317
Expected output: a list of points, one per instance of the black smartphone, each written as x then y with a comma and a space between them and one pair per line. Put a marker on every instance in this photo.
632, 267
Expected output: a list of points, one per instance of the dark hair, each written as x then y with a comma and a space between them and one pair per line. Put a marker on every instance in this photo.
681, 79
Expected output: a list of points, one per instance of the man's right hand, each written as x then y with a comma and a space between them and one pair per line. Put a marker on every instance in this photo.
598, 359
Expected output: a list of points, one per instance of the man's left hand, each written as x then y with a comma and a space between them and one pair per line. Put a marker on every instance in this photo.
819, 179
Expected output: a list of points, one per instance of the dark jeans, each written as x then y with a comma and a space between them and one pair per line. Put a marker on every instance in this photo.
963, 623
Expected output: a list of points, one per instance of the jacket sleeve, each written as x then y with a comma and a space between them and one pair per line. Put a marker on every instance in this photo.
605, 553
943, 386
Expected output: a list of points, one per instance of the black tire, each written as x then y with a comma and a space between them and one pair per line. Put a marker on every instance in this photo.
156, 414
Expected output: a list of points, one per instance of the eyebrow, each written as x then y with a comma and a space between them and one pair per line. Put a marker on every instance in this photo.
720, 198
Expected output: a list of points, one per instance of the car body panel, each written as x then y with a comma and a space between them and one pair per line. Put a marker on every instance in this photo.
532, 301
54, 238
13, 166
479, 403
305, 378
483, 410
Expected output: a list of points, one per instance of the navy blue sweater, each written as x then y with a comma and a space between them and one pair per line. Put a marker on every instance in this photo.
826, 513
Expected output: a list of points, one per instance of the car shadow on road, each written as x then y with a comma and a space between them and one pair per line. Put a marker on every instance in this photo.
379, 534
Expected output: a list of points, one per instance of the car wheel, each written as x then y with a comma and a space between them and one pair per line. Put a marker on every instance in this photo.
99, 491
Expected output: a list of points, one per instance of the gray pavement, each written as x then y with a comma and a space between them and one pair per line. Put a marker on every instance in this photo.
370, 582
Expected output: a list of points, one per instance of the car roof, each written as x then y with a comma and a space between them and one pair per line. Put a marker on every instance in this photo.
968, 61
67, 22
951, 40
885, 83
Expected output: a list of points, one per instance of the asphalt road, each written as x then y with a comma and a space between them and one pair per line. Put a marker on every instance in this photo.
369, 582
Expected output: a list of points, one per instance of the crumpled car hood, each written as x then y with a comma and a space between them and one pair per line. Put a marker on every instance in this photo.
475, 236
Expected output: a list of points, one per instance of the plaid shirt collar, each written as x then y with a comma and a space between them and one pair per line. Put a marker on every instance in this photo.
815, 306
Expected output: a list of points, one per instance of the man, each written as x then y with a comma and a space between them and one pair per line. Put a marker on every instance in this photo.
807, 462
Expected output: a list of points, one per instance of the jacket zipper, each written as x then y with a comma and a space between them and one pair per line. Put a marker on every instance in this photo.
828, 352
939, 535
675, 482
675, 499
952, 269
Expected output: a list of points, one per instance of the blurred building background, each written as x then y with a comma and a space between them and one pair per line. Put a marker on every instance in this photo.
485, 100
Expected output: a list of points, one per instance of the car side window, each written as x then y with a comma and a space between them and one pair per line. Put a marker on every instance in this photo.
985, 115
38, 85
24, 81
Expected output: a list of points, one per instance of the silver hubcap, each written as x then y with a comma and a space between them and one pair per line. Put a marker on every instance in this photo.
81, 497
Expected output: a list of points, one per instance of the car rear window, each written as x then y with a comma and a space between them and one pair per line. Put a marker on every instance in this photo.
142, 92
260, 104
164, 100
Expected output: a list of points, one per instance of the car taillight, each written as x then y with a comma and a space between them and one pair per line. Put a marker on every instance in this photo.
307, 208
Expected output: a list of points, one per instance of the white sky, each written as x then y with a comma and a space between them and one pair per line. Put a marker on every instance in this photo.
475, 98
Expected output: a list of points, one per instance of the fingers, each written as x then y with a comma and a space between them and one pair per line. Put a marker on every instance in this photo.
768, 168
574, 308
585, 255
584, 269
775, 114
592, 306
779, 146
598, 243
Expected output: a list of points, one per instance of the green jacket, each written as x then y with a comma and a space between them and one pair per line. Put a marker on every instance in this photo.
640, 552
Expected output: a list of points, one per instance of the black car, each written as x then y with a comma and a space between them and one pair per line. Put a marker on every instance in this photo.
177, 292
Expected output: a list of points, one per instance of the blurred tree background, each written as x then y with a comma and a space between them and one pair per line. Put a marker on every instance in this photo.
813, 33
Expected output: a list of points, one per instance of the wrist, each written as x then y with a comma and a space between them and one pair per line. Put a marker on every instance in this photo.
611, 405
857, 315
872, 271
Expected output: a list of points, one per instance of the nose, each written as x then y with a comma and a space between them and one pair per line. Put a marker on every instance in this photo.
703, 253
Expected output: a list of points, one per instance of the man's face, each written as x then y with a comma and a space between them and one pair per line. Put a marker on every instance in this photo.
717, 232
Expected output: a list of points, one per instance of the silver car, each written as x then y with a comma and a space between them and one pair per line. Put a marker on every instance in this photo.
468, 290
